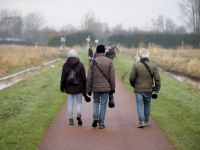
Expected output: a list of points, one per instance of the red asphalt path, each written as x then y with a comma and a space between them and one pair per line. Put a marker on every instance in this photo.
121, 132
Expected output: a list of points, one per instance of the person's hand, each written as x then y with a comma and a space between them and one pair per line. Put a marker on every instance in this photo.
112, 91
89, 93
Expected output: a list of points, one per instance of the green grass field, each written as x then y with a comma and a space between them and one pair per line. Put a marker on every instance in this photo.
176, 110
29, 107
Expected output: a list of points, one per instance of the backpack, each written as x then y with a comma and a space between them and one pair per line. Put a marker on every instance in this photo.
72, 78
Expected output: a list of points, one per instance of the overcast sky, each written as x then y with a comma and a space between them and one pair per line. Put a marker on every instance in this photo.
130, 13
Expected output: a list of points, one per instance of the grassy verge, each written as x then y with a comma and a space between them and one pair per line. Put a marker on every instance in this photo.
29, 107
176, 110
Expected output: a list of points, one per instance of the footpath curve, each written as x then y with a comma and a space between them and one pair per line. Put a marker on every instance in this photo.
121, 132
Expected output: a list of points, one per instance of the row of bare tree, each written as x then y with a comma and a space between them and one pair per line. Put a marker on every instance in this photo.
13, 25
30, 27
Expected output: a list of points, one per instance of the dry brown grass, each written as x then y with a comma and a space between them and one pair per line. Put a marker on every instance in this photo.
13, 56
76, 47
186, 61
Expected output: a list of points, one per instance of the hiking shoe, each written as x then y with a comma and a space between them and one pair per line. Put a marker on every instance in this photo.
101, 126
71, 122
95, 121
146, 124
79, 120
141, 125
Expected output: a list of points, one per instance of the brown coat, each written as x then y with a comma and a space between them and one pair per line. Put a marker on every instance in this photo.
80, 73
96, 82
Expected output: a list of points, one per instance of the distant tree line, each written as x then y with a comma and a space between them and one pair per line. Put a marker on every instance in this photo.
163, 39
78, 38
161, 30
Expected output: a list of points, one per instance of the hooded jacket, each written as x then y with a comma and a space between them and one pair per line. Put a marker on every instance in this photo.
80, 74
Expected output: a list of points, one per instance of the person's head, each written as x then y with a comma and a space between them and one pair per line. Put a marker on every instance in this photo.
72, 53
100, 49
143, 53
90, 46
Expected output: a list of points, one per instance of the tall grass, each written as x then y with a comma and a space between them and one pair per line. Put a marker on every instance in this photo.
186, 61
13, 57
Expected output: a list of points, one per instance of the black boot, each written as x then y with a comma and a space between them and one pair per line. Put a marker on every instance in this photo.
79, 120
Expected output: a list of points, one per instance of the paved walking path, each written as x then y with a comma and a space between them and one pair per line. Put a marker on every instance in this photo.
121, 132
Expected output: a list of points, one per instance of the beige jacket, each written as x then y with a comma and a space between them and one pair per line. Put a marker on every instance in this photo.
96, 82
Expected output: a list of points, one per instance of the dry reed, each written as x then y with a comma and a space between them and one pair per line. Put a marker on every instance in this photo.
186, 61
13, 57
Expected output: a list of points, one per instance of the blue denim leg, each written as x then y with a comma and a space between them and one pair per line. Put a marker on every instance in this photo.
147, 108
70, 105
143, 99
79, 103
104, 98
96, 97
139, 100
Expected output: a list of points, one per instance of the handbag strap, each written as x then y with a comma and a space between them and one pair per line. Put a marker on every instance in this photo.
148, 69
96, 64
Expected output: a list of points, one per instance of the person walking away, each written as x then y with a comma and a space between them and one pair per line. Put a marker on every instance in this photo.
90, 53
141, 81
110, 53
74, 68
99, 85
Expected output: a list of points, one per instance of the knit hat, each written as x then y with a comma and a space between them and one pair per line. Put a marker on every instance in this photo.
100, 49
72, 53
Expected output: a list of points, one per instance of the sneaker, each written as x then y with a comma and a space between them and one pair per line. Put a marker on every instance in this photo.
71, 122
79, 120
101, 126
146, 124
95, 121
141, 125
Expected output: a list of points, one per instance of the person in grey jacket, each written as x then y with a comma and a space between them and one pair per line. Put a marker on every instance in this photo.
142, 82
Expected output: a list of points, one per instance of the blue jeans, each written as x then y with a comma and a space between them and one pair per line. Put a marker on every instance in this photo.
102, 98
71, 104
143, 99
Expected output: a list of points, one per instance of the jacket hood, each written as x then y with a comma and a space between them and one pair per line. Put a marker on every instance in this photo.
72, 61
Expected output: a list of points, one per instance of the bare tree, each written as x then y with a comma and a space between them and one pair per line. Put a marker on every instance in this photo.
160, 23
190, 11
169, 26
90, 23
181, 30
118, 29
10, 24
32, 25
68, 29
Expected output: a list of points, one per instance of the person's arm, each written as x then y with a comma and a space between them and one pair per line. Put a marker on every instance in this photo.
83, 76
89, 79
132, 77
157, 79
112, 77
63, 80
